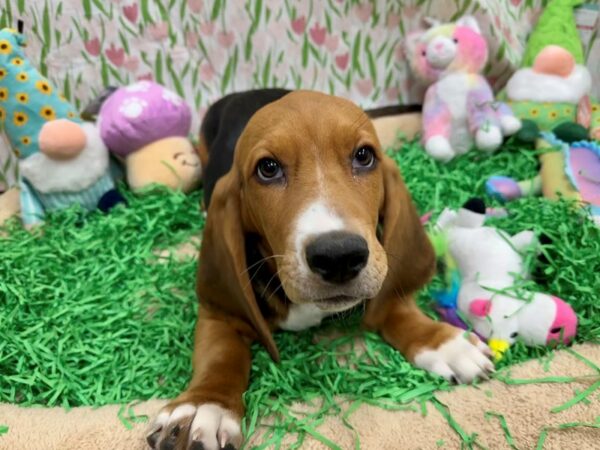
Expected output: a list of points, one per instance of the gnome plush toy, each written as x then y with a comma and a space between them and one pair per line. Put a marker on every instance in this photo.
551, 94
62, 161
553, 85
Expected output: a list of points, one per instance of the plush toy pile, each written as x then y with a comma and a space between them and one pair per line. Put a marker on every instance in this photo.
547, 106
65, 160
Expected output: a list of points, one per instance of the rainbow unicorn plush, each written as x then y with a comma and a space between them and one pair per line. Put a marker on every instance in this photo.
483, 266
459, 109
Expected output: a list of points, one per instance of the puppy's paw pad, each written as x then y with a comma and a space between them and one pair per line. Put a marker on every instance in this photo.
196, 427
459, 359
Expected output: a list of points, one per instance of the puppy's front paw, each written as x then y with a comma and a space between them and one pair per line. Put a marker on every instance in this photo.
459, 359
191, 426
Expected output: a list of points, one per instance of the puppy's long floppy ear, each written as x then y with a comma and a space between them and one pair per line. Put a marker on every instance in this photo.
411, 259
223, 282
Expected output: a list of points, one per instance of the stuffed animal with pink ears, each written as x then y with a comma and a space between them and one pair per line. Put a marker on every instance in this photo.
459, 110
490, 264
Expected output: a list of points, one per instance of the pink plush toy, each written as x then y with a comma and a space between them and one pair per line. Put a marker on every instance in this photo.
459, 109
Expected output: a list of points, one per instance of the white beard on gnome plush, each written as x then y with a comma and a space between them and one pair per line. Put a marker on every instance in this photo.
48, 174
554, 77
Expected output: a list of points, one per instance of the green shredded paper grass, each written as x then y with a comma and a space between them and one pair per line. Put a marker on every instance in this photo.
507, 434
94, 311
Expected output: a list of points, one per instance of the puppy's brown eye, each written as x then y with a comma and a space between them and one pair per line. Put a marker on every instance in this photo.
269, 170
364, 158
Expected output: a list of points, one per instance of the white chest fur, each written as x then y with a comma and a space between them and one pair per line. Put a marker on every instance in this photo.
301, 317
453, 90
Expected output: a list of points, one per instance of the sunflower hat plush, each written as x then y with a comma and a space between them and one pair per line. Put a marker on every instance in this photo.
27, 99
62, 160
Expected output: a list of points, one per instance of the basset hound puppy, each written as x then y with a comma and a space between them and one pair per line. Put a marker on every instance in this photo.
307, 217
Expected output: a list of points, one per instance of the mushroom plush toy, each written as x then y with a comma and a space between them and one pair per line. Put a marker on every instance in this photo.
147, 126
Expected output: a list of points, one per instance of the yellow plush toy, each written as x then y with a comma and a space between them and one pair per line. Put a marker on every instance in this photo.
171, 162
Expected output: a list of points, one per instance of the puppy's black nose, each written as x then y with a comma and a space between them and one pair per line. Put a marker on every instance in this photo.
337, 256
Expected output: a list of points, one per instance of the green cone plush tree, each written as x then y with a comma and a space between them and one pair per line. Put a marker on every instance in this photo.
556, 26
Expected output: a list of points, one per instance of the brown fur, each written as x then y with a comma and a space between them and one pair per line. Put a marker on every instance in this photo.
411, 264
203, 152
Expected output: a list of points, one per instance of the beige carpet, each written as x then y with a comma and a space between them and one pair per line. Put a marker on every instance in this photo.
526, 409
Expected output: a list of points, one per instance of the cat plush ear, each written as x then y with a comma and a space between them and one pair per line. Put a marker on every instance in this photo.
410, 43
469, 22
430, 22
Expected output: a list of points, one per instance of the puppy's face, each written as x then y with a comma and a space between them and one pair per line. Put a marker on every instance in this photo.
312, 188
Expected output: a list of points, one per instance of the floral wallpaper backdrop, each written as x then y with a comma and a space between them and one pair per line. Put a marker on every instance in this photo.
204, 49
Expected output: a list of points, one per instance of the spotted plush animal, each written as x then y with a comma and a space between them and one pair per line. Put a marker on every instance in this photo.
459, 109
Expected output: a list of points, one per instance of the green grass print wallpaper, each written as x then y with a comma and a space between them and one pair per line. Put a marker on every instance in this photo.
206, 48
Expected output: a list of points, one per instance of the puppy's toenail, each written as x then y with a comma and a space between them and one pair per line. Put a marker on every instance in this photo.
168, 443
197, 445
454, 379
152, 438
229, 447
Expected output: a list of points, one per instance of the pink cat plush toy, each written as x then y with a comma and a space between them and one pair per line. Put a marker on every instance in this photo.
459, 109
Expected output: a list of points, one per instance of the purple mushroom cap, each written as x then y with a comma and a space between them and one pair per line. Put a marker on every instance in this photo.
137, 115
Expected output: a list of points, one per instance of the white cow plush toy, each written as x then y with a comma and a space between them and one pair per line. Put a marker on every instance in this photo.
490, 264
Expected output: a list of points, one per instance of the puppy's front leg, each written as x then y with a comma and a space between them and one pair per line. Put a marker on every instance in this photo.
207, 414
434, 346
